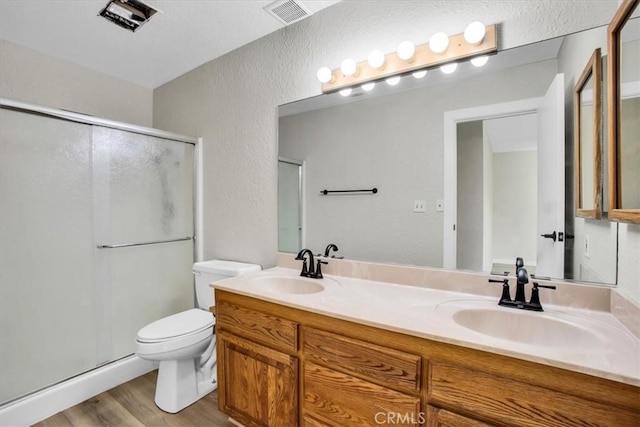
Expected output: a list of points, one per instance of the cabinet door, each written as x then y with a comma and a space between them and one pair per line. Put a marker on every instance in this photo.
259, 385
339, 399
437, 417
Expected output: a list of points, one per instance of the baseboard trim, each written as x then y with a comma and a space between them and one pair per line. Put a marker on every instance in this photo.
45, 403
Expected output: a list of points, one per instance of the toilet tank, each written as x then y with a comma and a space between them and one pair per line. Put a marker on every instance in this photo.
216, 270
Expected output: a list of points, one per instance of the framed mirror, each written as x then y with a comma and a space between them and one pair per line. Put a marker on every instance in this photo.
587, 132
623, 128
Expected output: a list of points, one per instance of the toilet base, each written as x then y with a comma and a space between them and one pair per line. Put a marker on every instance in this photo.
178, 387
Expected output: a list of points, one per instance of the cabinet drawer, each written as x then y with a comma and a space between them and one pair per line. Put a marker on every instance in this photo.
437, 417
343, 400
381, 364
261, 327
494, 399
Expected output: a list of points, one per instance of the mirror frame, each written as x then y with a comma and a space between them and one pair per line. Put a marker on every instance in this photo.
616, 212
592, 70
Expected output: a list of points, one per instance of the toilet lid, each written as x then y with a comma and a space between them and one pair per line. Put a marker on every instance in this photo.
184, 323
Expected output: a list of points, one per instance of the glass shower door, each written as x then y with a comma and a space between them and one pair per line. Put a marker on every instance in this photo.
47, 297
96, 229
143, 194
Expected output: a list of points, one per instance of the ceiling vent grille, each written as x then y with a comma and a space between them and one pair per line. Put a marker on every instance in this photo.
288, 11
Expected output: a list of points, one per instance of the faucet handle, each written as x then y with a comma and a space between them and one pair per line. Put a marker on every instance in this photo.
506, 291
305, 271
537, 285
319, 269
534, 303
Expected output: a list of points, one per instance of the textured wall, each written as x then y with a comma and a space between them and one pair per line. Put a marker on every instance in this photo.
36, 78
232, 101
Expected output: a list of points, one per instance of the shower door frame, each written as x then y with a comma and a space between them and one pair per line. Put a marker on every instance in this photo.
40, 404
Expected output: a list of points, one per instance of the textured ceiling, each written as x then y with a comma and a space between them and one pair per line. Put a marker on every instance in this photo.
185, 35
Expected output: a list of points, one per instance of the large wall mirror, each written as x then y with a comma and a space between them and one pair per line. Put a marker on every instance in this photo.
472, 169
624, 114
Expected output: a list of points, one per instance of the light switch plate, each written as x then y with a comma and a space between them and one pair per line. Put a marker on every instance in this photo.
419, 206
439, 205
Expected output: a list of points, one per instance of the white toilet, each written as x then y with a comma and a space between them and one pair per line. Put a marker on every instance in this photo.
184, 343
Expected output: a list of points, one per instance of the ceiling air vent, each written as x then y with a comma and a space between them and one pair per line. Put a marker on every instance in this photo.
128, 14
288, 11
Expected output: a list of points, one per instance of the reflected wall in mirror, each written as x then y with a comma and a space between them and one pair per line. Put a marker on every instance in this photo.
587, 133
624, 113
392, 138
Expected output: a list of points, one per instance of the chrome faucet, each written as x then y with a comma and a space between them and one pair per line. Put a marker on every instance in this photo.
520, 301
310, 270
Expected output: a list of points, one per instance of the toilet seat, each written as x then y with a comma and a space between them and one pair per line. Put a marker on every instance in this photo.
176, 326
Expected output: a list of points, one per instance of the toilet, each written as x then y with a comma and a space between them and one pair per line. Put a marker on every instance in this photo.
184, 343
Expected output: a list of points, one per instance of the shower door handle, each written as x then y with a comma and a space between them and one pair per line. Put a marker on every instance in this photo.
126, 245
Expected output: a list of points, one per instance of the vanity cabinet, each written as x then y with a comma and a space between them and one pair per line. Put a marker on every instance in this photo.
257, 367
280, 366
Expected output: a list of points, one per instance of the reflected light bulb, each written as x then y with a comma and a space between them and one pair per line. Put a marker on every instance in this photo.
392, 81
368, 86
439, 42
324, 75
345, 92
406, 50
474, 33
348, 67
376, 59
479, 61
420, 74
449, 68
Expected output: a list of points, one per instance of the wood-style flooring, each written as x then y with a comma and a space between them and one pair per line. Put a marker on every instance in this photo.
131, 405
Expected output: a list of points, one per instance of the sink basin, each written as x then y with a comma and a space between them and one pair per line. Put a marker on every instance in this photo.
289, 285
549, 329
525, 327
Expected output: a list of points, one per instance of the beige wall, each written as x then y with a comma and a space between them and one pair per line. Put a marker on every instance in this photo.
232, 101
35, 78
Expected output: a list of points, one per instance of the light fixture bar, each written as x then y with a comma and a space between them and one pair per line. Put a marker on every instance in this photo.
424, 58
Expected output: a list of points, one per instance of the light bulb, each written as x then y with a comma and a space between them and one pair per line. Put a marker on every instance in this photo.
439, 42
449, 68
376, 59
325, 75
392, 81
345, 92
479, 61
420, 74
368, 86
406, 50
474, 33
348, 67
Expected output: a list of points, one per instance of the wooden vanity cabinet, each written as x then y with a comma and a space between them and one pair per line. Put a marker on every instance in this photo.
259, 385
280, 366
257, 366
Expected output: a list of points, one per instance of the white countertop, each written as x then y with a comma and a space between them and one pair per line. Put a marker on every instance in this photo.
586, 341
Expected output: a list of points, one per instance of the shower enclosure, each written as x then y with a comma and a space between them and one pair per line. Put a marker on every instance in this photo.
96, 241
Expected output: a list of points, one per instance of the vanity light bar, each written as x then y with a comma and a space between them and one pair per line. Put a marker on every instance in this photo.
422, 58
